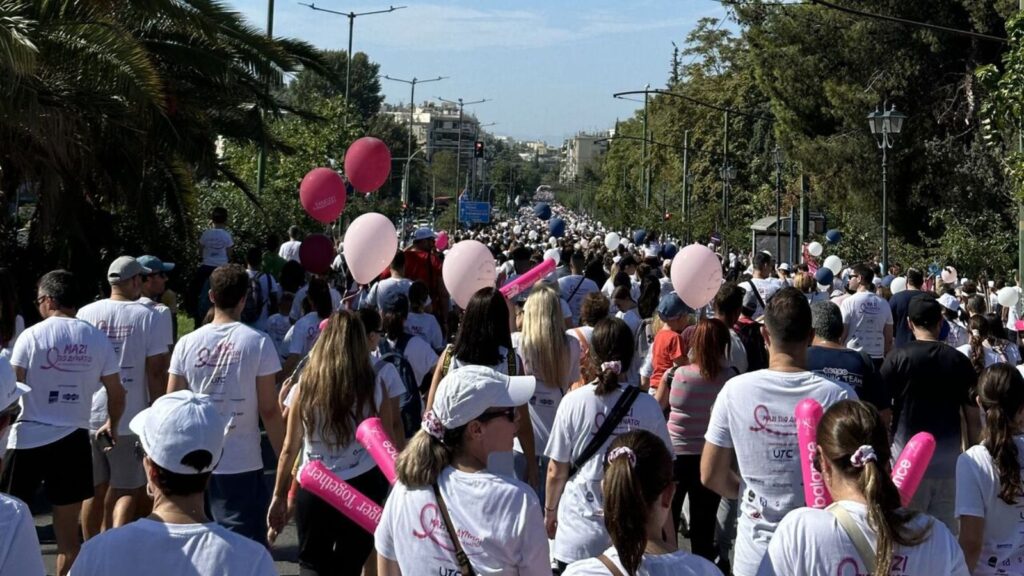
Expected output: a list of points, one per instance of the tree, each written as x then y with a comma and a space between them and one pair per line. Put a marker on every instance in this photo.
364, 85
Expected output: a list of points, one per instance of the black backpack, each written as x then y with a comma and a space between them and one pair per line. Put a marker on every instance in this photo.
256, 300
411, 404
753, 342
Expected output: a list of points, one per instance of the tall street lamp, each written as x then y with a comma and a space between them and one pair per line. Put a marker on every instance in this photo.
261, 159
728, 174
351, 22
885, 126
458, 154
777, 156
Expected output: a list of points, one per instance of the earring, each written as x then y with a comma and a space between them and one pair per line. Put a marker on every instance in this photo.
149, 490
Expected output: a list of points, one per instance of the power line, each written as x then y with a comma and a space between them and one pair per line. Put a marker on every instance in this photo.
909, 22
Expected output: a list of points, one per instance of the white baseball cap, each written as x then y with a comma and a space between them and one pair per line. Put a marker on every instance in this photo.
178, 424
10, 388
949, 302
467, 392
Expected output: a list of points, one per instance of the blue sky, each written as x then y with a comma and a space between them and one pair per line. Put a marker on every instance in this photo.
548, 67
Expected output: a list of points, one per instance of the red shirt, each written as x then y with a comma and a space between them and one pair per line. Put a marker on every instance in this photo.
425, 267
667, 346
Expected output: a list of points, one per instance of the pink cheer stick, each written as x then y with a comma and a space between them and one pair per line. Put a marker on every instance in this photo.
527, 280
372, 436
316, 479
912, 464
808, 413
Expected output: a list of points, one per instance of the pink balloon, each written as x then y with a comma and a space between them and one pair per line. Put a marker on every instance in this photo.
367, 164
949, 275
468, 267
316, 253
696, 275
442, 240
370, 245
808, 413
318, 480
912, 464
322, 194
370, 433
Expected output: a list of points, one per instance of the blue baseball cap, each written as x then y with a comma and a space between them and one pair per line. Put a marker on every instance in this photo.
155, 264
671, 307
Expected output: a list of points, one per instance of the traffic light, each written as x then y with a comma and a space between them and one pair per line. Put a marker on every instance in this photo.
478, 149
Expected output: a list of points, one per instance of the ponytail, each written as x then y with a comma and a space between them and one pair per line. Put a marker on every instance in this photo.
611, 353
638, 468
843, 433
979, 333
424, 457
1001, 392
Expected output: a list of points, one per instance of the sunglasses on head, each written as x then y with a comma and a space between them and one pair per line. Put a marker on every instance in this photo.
509, 413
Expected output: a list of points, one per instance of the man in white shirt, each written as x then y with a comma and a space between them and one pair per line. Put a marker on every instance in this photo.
154, 285
237, 367
867, 317
63, 359
761, 286
752, 423
575, 287
130, 327
383, 290
19, 547
290, 249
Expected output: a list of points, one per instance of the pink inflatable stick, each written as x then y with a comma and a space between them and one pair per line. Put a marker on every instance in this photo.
912, 464
808, 412
318, 480
372, 436
527, 280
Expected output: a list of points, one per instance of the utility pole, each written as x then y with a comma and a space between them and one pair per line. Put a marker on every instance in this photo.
643, 154
686, 185
725, 189
261, 159
458, 154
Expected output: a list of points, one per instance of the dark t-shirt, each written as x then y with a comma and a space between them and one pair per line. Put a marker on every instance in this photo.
899, 303
929, 382
851, 367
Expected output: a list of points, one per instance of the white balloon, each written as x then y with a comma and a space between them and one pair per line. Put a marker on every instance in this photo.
898, 285
815, 249
1008, 296
834, 264
517, 229
611, 241
533, 236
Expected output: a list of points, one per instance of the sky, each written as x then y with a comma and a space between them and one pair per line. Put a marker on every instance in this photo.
548, 67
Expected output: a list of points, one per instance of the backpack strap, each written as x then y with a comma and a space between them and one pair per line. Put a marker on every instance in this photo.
465, 568
610, 565
860, 541
617, 413
760, 301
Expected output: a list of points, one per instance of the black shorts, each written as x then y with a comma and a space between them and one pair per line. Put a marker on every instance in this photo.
63, 467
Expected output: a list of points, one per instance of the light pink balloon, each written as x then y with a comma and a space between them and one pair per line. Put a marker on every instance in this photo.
370, 245
442, 240
949, 275
468, 267
696, 275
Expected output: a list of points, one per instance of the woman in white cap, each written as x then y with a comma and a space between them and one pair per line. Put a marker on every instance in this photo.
866, 527
447, 514
637, 491
181, 438
573, 504
19, 546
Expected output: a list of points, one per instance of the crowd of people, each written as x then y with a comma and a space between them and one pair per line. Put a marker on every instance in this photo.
593, 424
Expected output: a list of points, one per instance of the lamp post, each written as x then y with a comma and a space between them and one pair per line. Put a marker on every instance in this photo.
408, 143
458, 154
351, 23
261, 159
728, 174
885, 126
777, 156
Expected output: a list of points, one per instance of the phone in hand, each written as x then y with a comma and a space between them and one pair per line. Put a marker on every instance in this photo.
104, 441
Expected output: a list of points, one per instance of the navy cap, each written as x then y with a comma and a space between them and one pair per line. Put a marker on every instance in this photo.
824, 276
671, 307
394, 301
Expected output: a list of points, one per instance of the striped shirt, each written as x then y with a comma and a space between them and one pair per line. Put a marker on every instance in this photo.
691, 399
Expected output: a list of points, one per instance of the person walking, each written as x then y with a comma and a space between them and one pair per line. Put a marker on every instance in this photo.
867, 318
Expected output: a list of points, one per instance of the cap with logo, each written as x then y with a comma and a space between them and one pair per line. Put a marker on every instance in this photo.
155, 264
467, 392
178, 424
125, 268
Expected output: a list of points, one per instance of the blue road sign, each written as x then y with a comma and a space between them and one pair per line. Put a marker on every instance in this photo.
474, 212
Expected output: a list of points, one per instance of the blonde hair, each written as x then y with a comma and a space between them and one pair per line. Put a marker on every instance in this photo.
424, 457
544, 344
338, 381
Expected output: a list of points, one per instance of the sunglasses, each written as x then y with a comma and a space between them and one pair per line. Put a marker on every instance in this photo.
509, 413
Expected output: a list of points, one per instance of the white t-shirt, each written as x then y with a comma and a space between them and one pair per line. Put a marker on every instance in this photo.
581, 532
753, 415
19, 327
345, 461
224, 360
866, 315
631, 318
380, 291
1014, 312
810, 541
171, 550
766, 287
296, 312
420, 355
546, 398
977, 494
425, 326
737, 353
64, 359
131, 329
498, 521
278, 326
679, 563
164, 322
990, 355
301, 337
20, 554
215, 243
609, 288
290, 250
574, 289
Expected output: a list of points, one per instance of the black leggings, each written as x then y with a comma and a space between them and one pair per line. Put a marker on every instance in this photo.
330, 543
703, 505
